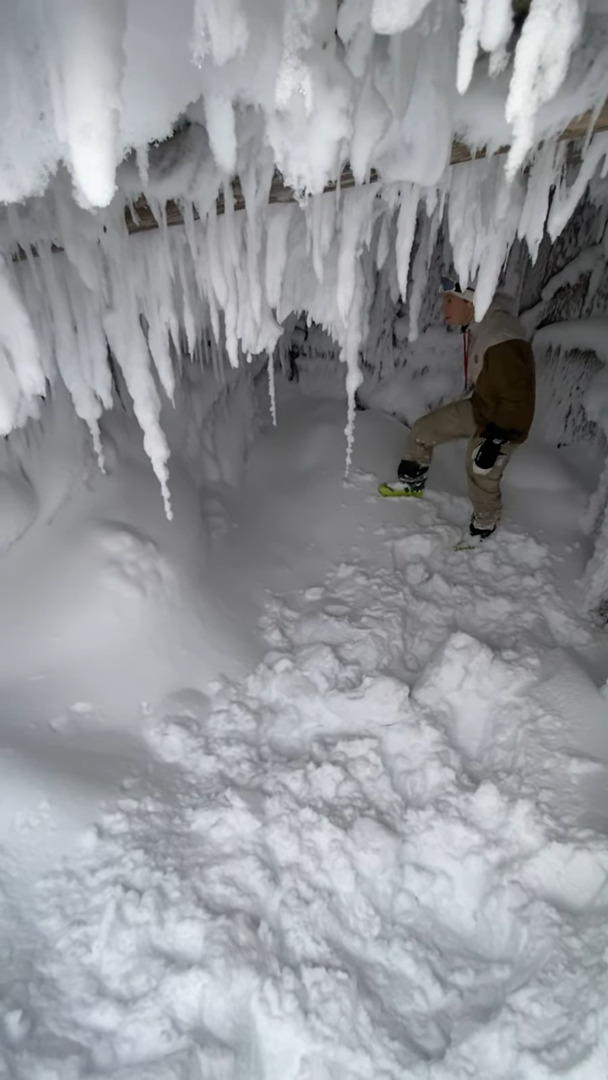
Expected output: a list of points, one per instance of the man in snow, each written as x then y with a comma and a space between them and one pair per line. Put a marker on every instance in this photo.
495, 419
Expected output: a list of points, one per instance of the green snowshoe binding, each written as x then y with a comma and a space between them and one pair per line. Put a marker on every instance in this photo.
410, 482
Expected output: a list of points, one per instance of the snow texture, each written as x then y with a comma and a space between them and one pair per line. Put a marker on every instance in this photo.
379, 849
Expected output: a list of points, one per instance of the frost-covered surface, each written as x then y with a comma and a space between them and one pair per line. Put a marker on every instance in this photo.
379, 850
248, 89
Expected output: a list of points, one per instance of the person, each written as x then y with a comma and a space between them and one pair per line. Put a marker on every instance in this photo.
495, 419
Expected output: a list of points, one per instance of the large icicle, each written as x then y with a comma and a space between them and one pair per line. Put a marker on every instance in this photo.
487, 23
566, 198
356, 228
544, 171
549, 35
484, 210
272, 391
22, 377
85, 68
279, 224
406, 230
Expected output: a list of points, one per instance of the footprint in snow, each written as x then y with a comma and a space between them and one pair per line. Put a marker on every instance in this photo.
134, 567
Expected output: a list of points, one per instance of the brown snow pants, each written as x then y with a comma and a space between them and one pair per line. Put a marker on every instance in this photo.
455, 421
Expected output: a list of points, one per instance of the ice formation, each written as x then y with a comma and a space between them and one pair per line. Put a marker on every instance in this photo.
249, 89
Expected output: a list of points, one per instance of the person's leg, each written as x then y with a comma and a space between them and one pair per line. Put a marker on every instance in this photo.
453, 421
484, 488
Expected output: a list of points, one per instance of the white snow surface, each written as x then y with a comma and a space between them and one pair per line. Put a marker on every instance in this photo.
290, 788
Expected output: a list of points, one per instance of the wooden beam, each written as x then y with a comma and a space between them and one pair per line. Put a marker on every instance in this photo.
141, 217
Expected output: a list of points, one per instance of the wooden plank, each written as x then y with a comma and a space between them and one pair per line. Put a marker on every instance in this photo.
143, 219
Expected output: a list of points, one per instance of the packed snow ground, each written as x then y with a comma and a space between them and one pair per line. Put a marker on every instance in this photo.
366, 842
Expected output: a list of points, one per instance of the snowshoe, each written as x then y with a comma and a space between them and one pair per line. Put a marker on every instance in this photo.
410, 483
478, 533
481, 530
399, 489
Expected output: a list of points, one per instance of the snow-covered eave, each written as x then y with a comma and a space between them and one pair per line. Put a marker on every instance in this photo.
140, 216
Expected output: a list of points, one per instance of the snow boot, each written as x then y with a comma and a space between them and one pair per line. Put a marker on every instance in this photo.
481, 530
411, 482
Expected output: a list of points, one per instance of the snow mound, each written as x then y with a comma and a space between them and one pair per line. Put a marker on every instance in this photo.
331, 888
378, 854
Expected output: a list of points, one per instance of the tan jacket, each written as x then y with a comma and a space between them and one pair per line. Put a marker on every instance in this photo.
502, 367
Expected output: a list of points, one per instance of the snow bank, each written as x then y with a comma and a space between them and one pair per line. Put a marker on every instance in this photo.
366, 853
332, 874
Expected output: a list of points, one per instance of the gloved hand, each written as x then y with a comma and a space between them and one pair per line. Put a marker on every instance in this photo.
487, 453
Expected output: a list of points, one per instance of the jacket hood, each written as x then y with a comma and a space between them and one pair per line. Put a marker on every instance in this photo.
503, 303
499, 324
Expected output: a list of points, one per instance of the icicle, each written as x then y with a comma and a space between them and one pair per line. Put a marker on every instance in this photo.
469, 43
67, 346
354, 378
484, 211
545, 168
566, 199
256, 179
229, 254
383, 242
356, 207
98, 448
272, 390
86, 86
142, 156
371, 120
321, 214
21, 361
220, 128
294, 75
420, 273
496, 30
127, 344
406, 229
279, 224
487, 23
549, 35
